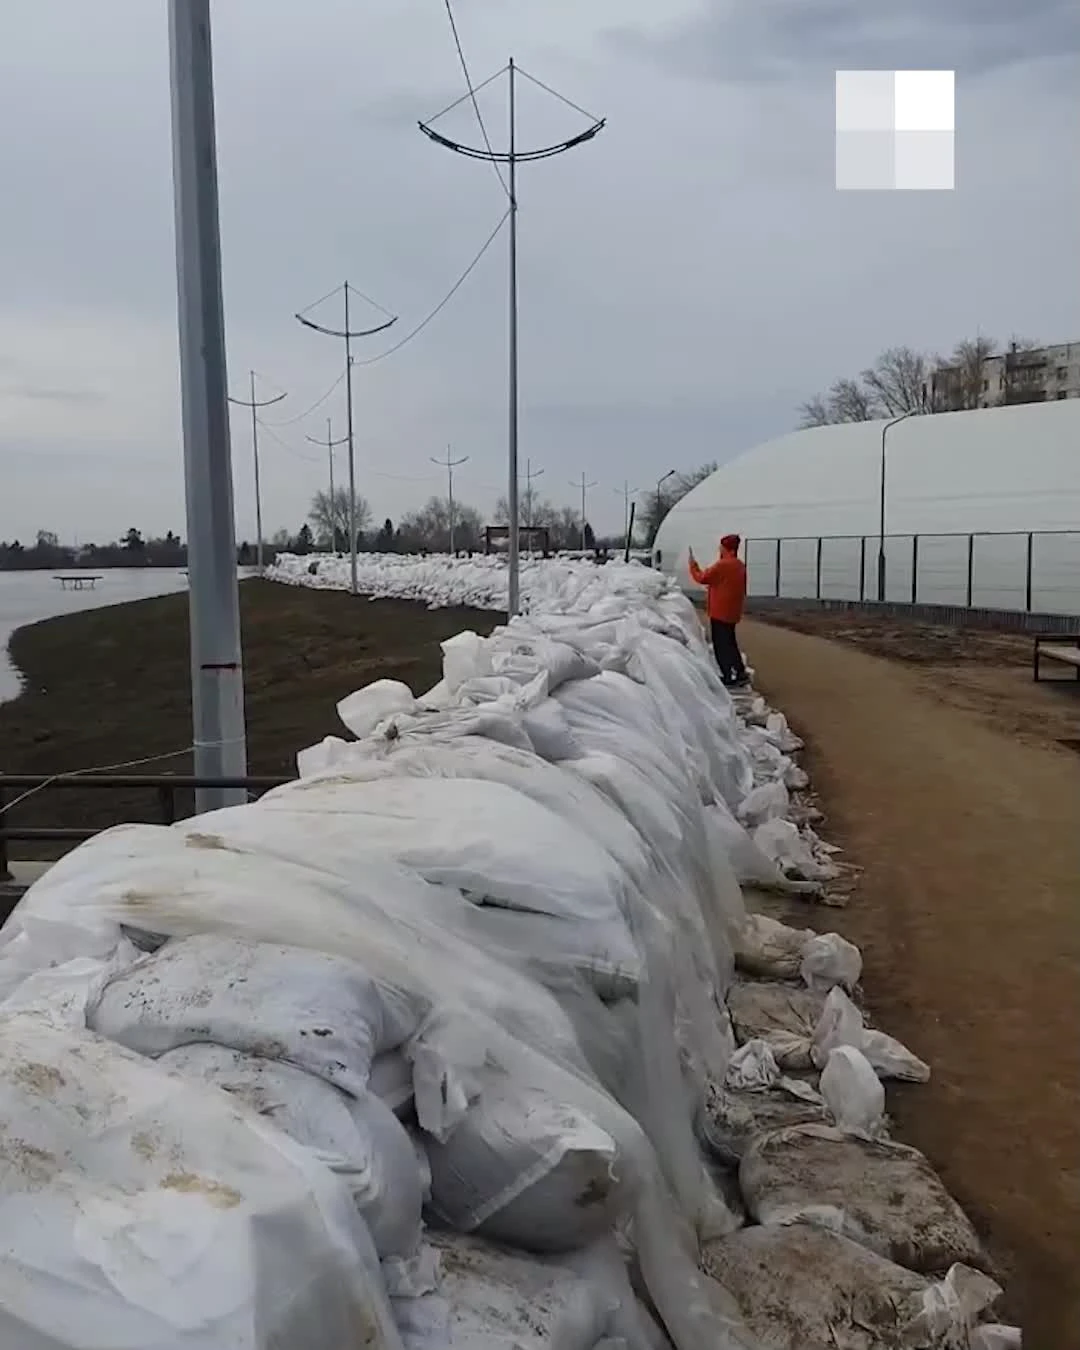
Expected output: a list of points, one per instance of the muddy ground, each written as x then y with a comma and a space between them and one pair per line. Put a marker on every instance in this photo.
111, 685
946, 781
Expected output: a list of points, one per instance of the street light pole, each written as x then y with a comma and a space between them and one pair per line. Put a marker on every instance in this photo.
660, 500
881, 517
330, 443
217, 677
255, 405
584, 489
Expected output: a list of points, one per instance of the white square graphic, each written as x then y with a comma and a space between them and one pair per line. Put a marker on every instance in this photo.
895, 129
925, 100
923, 160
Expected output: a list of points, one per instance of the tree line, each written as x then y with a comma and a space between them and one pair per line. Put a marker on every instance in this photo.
436, 527
904, 380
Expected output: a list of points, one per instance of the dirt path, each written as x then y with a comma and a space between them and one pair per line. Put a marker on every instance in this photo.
968, 914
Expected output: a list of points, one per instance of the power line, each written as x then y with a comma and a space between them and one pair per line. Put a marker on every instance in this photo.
371, 360
472, 95
291, 421
450, 465
268, 427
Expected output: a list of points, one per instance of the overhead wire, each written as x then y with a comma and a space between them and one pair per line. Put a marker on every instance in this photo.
371, 360
299, 417
472, 95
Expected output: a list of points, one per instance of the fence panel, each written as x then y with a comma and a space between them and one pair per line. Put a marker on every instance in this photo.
999, 572
942, 569
1055, 573
842, 560
760, 558
798, 568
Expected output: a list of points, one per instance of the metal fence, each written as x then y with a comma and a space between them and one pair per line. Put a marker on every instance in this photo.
1026, 573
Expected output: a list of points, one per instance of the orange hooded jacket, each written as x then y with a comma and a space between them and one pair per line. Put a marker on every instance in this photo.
725, 582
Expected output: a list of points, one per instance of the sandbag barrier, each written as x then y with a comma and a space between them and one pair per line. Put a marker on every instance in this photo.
466, 1039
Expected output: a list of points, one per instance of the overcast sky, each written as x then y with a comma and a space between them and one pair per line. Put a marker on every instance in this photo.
687, 278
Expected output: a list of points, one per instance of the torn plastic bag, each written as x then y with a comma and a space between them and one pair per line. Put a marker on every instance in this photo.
525, 1170
322, 1013
728, 1120
804, 1288
782, 841
766, 802
841, 1023
142, 1211
996, 1336
953, 1307
359, 1138
853, 1091
883, 1195
753, 1068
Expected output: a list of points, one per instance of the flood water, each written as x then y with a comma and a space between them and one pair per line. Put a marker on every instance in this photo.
29, 597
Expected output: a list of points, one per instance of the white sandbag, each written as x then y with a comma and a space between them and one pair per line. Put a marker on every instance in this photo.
805, 1288
782, 841
771, 949
359, 1138
464, 656
550, 734
883, 1195
783, 1015
323, 757
828, 960
363, 710
141, 1211
853, 1091
523, 1169
390, 1080
996, 1336
841, 1023
603, 1267
493, 1299
752, 1068
481, 837
319, 1012
766, 802
752, 865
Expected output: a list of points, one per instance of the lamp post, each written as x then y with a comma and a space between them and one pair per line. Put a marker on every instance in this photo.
881, 520
660, 500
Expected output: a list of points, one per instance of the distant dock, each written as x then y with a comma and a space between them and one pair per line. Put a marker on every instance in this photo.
78, 583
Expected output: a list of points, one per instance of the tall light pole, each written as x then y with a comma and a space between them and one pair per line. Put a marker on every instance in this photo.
626, 493
584, 486
217, 677
349, 335
330, 443
881, 518
255, 405
450, 465
660, 500
512, 157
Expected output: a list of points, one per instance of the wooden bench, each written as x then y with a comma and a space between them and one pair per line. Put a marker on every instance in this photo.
1055, 647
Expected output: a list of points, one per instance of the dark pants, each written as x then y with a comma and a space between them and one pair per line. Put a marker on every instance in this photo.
728, 657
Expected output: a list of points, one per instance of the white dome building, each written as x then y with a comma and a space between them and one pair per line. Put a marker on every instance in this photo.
974, 501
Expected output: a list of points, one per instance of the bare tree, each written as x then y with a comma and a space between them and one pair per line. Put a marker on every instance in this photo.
331, 516
651, 511
429, 527
897, 381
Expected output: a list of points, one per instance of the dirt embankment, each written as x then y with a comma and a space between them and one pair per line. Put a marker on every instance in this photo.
946, 781
112, 685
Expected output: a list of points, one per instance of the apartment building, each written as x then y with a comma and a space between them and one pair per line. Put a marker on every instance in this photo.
1038, 375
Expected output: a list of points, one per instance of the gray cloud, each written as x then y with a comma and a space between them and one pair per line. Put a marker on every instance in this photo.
779, 39
686, 279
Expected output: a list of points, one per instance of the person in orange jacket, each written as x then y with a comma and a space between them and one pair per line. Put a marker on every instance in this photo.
725, 583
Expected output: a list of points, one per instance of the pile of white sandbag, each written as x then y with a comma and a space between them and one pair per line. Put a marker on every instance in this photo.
443, 1045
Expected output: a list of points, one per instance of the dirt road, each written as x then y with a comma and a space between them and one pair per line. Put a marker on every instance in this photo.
968, 914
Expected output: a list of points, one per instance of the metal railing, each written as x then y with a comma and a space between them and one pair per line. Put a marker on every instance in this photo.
1032, 573
164, 786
